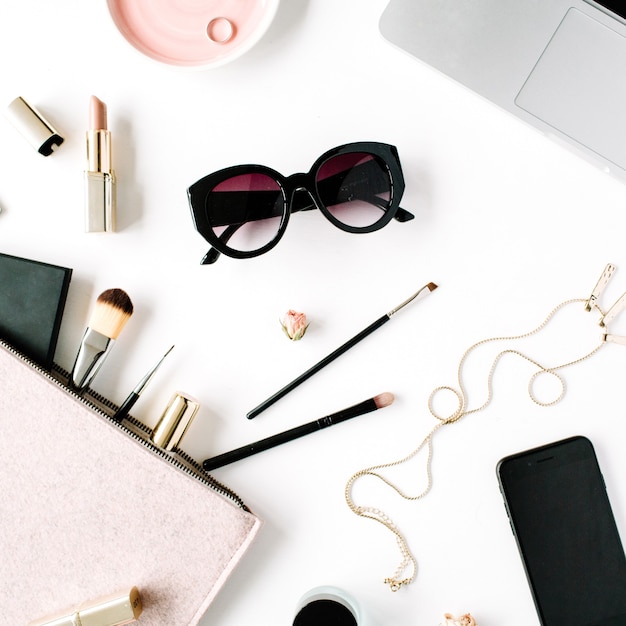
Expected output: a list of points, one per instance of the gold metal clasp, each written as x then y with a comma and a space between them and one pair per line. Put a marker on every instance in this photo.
603, 281
617, 308
614, 339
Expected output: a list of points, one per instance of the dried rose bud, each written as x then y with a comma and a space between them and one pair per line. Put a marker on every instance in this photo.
464, 620
294, 324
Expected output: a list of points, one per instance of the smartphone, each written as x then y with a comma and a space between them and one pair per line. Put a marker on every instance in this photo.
566, 534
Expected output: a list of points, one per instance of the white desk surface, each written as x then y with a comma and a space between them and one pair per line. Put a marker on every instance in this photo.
507, 223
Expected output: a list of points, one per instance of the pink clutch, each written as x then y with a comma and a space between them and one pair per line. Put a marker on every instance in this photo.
90, 507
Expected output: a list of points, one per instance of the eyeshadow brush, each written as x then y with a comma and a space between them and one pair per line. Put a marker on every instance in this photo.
112, 311
372, 404
133, 396
338, 352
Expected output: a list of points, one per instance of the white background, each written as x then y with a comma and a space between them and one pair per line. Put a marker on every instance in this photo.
507, 223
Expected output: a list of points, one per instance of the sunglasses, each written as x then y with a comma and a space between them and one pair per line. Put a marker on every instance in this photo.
243, 211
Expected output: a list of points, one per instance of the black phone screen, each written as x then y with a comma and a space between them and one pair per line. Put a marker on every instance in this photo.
563, 523
616, 6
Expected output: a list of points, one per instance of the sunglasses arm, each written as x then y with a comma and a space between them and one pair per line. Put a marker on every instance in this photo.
403, 215
212, 255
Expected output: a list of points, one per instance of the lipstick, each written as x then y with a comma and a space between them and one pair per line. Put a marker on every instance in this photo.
113, 610
99, 178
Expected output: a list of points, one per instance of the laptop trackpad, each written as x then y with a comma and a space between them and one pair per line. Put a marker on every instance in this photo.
579, 86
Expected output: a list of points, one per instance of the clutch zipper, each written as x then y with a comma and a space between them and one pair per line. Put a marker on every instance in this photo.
131, 426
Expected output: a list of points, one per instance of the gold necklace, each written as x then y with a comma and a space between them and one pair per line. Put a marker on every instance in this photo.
407, 569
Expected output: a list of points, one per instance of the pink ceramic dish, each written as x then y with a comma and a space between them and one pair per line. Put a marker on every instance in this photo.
193, 33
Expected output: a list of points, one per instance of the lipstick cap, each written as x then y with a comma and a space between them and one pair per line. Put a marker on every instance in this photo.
33, 126
113, 610
175, 421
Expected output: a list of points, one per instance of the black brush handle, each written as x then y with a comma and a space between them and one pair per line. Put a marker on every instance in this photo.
318, 366
289, 435
127, 405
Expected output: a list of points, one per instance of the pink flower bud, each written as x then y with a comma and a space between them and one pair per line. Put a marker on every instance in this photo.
464, 620
294, 324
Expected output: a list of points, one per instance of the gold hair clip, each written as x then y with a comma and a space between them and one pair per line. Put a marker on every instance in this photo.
614, 339
607, 274
592, 301
615, 310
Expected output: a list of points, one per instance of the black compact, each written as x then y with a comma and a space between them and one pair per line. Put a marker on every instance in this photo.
32, 300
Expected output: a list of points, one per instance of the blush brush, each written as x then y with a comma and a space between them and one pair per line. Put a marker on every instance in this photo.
112, 311
371, 404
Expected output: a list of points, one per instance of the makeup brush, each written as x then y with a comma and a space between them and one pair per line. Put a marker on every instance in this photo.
133, 396
338, 352
112, 310
372, 404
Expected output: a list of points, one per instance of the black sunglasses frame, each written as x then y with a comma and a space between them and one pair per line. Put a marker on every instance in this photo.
386, 155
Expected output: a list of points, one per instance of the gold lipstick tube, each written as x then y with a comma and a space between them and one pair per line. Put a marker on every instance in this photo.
175, 421
113, 610
100, 196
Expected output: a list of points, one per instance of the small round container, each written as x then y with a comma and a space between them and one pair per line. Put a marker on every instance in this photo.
199, 34
327, 605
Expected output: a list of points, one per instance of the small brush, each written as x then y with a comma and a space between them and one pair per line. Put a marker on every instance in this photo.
112, 310
338, 352
133, 396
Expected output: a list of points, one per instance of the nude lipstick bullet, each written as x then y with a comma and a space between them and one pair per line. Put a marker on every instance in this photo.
100, 204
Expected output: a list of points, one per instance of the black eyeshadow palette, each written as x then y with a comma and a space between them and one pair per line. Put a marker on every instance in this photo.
32, 300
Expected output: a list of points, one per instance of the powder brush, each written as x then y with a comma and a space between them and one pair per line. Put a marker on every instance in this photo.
112, 311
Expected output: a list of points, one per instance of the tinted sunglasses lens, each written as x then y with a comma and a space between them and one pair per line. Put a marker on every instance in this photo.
355, 188
245, 211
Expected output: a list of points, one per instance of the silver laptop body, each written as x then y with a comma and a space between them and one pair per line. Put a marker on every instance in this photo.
560, 65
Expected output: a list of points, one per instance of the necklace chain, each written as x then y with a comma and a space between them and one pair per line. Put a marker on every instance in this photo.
407, 569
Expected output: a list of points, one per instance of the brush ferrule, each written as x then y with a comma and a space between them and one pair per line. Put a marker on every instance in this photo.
426, 288
345, 414
94, 348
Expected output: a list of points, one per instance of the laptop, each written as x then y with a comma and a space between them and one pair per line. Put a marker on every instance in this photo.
559, 65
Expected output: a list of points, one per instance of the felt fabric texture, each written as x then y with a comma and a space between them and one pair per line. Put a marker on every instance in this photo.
87, 511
